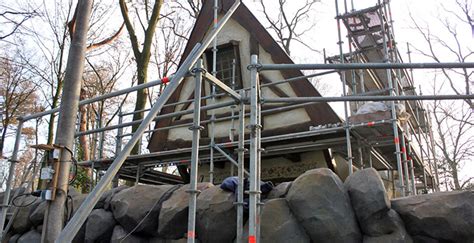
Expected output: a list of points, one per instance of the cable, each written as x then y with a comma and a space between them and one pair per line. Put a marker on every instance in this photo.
74, 161
25, 205
160, 201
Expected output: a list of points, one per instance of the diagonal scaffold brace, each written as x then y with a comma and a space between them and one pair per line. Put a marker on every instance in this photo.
73, 226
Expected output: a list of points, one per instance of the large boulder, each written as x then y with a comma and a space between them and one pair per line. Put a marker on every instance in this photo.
37, 213
100, 225
30, 237
447, 216
74, 201
216, 216
280, 190
321, 204
173, 218
388, 228
137, 208
21, 222
367, 194
104, 201
278, 224
120, 235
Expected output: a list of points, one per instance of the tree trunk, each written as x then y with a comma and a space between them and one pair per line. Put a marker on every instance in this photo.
454, 172
4, 134
141, 100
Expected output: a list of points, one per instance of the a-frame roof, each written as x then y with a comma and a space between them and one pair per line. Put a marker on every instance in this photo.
319, 114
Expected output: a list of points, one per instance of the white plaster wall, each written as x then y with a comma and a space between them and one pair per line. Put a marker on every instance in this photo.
235, 32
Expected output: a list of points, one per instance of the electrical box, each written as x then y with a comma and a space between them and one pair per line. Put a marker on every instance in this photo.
46, 195
56, 153
47, 173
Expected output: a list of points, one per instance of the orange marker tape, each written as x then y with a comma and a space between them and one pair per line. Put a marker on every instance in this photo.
252, 239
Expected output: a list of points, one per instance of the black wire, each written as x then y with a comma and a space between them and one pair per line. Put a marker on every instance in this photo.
25, 205
74, 161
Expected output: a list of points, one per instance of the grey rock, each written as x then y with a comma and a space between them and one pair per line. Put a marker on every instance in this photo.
21, 222
321, 204
120, 235
137, 208
280, 190
37, 214
173, 218
446, 216
388, 228
160, 240
104, 201
278, 224
215, 216
30, 237
370, 203
100, 225
39, 228
14, 238
367, 193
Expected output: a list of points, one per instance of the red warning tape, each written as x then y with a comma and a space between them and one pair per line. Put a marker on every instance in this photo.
403, 150
370, 124
165, 80
191, 234
396, 140
252, 239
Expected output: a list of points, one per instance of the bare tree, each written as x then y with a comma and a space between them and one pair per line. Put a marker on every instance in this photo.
289, 26
445, 41
142, 55
448, 44
12, 19
453, 124
19, 95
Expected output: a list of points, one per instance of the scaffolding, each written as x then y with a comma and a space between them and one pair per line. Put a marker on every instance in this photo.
366, 75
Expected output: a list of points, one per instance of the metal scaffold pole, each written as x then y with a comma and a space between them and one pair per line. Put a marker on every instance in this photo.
213, 99
405, 164
396, 138
240, 171
11, 172
412, 171
196, 128
254, 150
86, 207
344, 93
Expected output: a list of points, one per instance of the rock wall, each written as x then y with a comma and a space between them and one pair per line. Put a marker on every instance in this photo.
316, 207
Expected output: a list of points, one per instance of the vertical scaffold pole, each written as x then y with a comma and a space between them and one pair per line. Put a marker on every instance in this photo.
254, 150
118, 144
241, 153
412, 171
258, 134
344, 92
213, 99
396, 138
196, 128
11, 172
405, 164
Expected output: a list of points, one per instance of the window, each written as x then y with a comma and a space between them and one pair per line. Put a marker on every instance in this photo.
226, 54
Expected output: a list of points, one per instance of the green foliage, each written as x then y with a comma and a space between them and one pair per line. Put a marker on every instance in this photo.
82, 181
